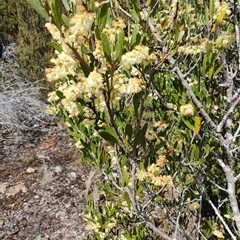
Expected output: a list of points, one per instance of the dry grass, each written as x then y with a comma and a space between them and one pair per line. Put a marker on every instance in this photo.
20, 106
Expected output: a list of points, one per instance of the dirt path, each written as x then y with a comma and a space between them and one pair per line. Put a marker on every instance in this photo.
42, 184
42, 188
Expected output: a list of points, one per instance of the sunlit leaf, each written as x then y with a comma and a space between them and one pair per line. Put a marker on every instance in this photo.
218, 70
134, 15
189, 180
197, 124
66, 20
218, 233
66, 4
219, 20
134, 35
103, 16
56, 46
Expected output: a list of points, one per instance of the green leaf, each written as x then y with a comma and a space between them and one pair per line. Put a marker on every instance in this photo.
103, 16
201, 161
36, 5
56, 46
84, 143
219, 69
212, 8
106, 47
158, 199
66, 5
134, 36
187, 123
84, 69
119, 45
108, 137
206, 16
189, 180
127, 199
180, 36
128, 131
142, 167
210, 72
97, 33
111, 131
85, 50
194, 153
136, 7
136, 104
90, 5
56, 9
134, 15
204, 65
125, 177
60, 94
66, 20
140, 136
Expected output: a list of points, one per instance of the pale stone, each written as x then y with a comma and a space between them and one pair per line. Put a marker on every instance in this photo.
17, 188
31, 170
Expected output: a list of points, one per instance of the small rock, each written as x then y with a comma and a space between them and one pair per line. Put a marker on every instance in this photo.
31, 170
17, 188
58, 169
45, 238
3, 187
72, 175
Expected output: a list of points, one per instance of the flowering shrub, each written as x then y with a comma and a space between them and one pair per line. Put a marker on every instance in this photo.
149, 92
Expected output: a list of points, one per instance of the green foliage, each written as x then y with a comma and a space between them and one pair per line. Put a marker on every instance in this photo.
21, 24
8, 19
34, 51
145, 104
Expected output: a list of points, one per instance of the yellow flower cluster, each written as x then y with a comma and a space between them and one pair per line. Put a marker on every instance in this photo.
161, 125
112, 32
153, 174
65, 64
91, 89
187, 110
54, 31
224, 40
80, 25
140, 54
194, 49
220, 8
99, 55
109, 224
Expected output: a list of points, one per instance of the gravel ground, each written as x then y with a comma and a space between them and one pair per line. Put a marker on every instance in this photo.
42, 187
42, 183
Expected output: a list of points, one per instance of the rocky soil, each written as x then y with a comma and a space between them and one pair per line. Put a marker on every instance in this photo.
43, 185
